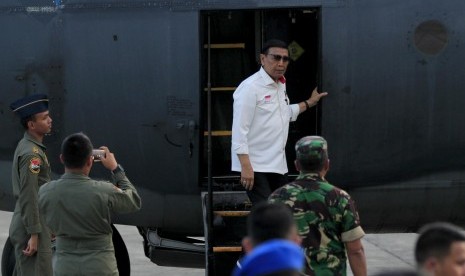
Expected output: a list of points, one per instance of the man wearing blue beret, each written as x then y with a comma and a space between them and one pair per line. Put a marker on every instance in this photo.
273, 257
31, 169
272, 242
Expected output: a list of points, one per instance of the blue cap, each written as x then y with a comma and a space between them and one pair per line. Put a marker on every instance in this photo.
30, 105
272, 256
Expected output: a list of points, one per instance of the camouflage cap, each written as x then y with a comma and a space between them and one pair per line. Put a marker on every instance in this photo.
311, 148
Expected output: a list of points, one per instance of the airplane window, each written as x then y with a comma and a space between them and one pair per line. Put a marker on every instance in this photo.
430, 37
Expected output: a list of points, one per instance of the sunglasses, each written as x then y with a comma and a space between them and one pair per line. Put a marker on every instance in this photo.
278, 58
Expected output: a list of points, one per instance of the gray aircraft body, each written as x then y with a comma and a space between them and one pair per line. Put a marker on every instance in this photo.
153, 81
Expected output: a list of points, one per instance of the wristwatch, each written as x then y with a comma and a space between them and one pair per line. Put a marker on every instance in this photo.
118, 169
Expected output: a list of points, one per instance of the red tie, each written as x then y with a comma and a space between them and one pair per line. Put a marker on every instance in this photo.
282, 80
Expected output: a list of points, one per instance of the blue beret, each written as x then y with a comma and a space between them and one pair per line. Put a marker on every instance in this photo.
272, 256
30, 105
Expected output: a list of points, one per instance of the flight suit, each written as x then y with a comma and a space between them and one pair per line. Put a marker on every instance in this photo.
31, 170
79, 213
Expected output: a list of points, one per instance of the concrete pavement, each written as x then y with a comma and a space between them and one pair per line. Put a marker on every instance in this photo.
384, 252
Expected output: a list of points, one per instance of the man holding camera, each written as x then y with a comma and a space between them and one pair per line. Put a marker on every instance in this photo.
78, 209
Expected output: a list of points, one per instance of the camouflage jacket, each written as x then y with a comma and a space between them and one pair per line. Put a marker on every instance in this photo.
326, 217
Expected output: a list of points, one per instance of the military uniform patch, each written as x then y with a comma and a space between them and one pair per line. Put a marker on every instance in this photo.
34, 165
35, 150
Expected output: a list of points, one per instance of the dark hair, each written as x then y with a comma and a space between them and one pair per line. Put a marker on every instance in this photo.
76, 148
273, 43
26, 120
435, 240
269, 221
313, 164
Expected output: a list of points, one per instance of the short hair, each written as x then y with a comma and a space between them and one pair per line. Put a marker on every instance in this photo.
435, 240
26, 120
268, 221
311, 153
273, 43
76, 148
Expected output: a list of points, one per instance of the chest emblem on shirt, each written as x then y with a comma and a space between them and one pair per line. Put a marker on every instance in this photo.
35, 150
268, 99
34, 165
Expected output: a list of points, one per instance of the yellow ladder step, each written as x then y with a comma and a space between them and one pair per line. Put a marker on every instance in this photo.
232, 213
227, 249
219, 133
225, 88
225, 46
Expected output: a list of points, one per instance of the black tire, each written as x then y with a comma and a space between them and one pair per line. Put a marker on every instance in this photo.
8, 258
121, 254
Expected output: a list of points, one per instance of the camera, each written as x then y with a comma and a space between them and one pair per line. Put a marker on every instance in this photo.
98, 154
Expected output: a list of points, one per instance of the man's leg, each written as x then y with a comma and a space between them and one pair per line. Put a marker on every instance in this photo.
276, 181
264, 185
261, 188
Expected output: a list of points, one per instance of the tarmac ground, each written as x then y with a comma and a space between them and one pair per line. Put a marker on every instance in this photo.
385, 252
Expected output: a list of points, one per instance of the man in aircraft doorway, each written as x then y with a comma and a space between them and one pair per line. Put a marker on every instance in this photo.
31, 169
261, 123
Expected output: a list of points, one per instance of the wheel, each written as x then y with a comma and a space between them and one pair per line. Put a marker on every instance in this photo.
121, 254
8, 258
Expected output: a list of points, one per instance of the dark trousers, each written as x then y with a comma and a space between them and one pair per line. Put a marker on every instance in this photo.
264, 185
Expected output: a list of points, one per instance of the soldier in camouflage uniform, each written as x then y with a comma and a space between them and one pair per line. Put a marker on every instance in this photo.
31, 169
326, 216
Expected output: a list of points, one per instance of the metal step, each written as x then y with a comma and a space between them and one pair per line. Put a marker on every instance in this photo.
219, 249
232, 213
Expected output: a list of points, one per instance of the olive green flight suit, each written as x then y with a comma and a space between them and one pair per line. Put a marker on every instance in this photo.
31, 170
78, 211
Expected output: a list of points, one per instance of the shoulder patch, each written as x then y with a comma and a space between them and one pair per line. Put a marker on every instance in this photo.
34, 165
35, 149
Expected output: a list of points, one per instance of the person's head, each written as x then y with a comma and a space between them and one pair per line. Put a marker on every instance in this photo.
274, 58
440, 249
273, 258
312, 155
76, 151
268, 221
34, 114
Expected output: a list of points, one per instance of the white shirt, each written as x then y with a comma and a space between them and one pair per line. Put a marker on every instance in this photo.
261, 123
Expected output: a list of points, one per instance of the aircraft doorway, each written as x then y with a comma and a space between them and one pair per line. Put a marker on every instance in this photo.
234, 39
